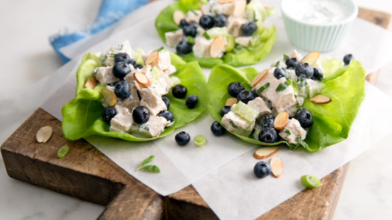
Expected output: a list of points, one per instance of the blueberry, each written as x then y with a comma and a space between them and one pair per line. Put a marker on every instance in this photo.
121, 69
262, 169
122, 90
217, 129
141, 115
167, 114
138, 66
166, 100
268, 135
206, 22
235, 88
190, 30
304, 70
192, 101
248, 1
124, 57
182, 138
249, 28
291, 63
220, 20
225, 110
179, 91
245, 96
184, 48
304, 117
268, 121
108, 113
183, 23
347, 59
280, 72
317, 74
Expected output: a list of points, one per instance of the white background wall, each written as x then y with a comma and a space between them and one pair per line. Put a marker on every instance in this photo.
26, 57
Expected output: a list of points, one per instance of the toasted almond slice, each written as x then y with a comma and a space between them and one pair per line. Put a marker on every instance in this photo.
91, 83
109, 97
225, 1
239, 8
281, 120
217, 47
44, 134
276, 167
142, 79
265, 152
311, 58
178, 16
259, 77
152, 58
321, 99
231, 101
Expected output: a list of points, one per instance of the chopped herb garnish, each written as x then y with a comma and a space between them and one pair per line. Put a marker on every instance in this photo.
282, 86
161, 48
287, 131
277, 64
302, 142
261, 89
234, 125
149, 168
285, 57
207, 36
62, 151
190, 40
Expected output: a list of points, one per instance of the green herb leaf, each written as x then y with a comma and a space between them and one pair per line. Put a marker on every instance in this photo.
287, 131
234, 125
152, 168
190, 40
277, 64
282, 86
294, 84
161, 48
148, 160
207, 36
62, 151
261, 89
285, 57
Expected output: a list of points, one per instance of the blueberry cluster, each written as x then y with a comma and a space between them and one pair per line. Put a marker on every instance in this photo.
302, 70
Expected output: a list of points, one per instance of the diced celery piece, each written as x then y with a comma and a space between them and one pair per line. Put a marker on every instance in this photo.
230, 43
217, 31
314, 88
245, 111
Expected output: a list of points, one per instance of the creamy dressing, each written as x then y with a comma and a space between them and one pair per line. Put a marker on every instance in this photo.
318, 11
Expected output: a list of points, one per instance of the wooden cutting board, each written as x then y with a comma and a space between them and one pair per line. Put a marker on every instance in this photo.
87, 174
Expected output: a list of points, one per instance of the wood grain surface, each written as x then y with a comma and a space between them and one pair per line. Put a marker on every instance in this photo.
87, 174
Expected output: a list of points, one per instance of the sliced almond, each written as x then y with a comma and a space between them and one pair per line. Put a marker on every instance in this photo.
259, 77
44, 134
321, 99
276, 167
218, 46
109, 97
311, 58
225, 1
265, 152
239, 8
152, 58
142, 79
231, 101
281, 120
91, 83
178, 16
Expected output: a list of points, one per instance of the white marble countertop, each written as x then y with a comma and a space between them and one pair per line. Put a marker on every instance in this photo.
26, 57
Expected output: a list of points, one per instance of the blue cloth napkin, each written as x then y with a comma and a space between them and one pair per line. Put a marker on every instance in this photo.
110, 12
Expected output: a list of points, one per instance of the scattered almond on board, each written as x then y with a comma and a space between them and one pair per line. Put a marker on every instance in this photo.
265, 152
44, 134
276, 166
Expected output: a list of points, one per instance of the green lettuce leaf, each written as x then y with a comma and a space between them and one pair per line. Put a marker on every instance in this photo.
332, 121
262, 40
82, 115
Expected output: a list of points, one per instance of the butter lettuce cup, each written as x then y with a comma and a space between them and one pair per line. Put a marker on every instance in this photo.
318, 25
217, 31
290, 103
128, 94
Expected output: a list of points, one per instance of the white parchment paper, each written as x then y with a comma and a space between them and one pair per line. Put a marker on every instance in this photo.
221, 171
